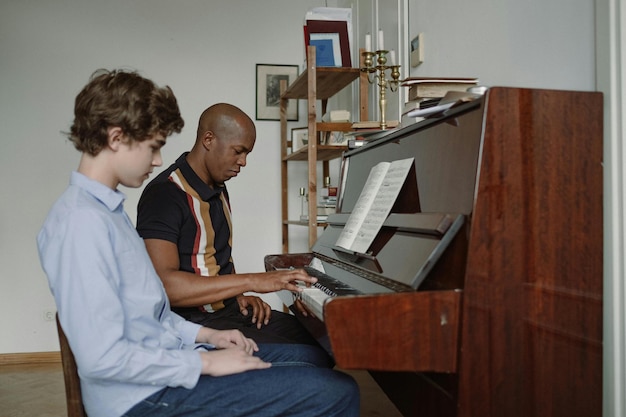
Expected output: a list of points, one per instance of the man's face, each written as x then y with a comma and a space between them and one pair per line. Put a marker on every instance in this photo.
227, 155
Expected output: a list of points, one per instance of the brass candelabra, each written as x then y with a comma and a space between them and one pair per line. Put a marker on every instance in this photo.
379, 71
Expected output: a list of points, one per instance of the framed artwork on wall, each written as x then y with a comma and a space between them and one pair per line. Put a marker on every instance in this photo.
268, 78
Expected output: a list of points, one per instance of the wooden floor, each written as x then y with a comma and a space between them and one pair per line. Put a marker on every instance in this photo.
37, 391
32, 390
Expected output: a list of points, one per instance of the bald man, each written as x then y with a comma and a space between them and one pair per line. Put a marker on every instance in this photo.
184, 218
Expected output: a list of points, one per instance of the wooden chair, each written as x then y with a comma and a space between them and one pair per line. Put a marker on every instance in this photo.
73, 395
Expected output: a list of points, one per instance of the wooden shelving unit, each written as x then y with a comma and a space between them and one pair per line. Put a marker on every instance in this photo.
315, 83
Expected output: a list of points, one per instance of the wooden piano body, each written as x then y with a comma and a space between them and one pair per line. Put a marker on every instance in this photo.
509, 320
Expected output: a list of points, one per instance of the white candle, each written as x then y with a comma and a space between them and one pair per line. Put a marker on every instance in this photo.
381, 44
368, 42
392, 57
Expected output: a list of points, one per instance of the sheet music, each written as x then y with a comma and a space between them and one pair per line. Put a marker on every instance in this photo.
379, 194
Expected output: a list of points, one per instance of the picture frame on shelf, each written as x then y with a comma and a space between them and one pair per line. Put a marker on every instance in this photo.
336, 139
330, 37
299, 138
268, 78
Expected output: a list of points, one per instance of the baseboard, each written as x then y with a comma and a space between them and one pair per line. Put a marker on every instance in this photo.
29, 358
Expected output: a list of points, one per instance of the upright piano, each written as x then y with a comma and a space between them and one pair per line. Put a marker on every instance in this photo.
482, 293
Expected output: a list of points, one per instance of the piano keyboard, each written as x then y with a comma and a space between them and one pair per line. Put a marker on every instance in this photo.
314, 299
329, 285
326, 287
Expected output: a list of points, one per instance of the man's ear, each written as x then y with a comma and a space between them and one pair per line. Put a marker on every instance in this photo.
115, 137
208, 139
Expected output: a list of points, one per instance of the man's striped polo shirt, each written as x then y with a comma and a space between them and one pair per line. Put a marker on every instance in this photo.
179, 207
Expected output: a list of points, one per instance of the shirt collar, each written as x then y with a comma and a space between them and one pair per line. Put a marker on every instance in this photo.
204, 191
112, 199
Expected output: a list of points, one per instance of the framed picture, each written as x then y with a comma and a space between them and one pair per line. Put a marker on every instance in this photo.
268, 78
330, 38
336, 139
299, 138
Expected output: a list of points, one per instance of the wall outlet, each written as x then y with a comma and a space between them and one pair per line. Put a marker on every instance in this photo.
48, 315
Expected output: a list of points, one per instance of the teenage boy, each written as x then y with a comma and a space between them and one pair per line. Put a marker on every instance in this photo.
135, 356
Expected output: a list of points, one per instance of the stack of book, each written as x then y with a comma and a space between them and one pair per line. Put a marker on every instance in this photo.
425, 92
327, 203
367, 132
451, 99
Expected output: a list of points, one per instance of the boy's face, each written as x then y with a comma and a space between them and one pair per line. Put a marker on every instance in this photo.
138, 159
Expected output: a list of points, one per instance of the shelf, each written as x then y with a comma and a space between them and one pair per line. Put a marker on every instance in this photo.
334, 126
315, 84
324, 153
329, 81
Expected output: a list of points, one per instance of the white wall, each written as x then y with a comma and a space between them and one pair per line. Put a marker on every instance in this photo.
531, 43
205, 50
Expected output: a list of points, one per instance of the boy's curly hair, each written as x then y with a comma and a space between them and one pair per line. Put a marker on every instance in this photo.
122, 99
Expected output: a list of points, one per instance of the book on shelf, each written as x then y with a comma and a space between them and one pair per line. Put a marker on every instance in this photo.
337, 116
430, 102
374, 204
429, 87
326, 210
451, 99
424, 103
361, 137
411, 105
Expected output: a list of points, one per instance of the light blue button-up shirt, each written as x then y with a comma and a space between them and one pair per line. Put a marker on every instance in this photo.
111, 303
